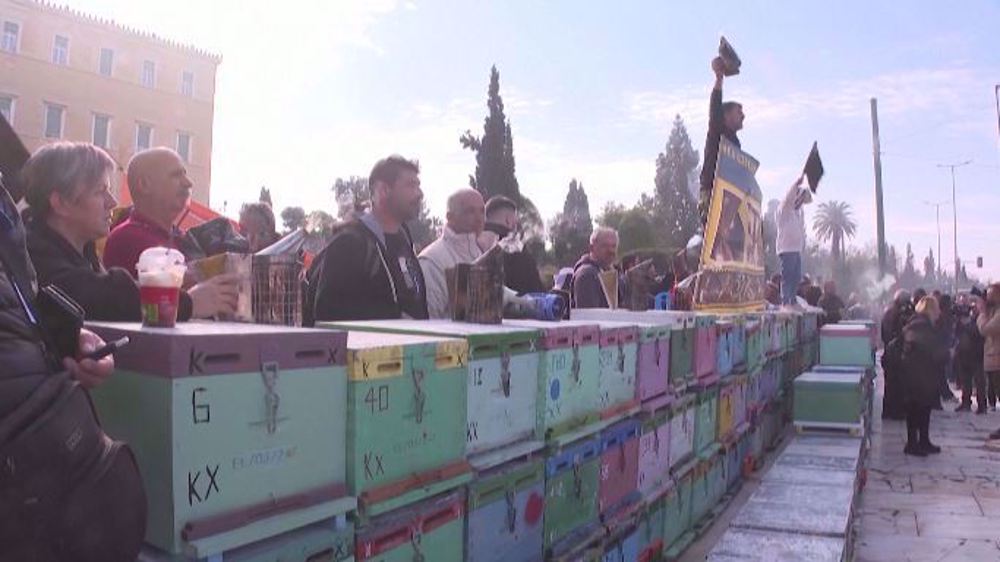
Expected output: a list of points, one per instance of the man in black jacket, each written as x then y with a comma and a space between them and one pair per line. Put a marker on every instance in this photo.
724, 120
369, 270
588, 290
519, 266
67, 492
969, 361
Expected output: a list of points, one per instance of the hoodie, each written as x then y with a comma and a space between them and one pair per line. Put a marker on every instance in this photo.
588, 292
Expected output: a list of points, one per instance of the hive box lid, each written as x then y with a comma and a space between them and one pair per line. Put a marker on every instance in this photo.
845, 379
845, 331
563, 334
752, 545
475, 334
814, 510
213, 348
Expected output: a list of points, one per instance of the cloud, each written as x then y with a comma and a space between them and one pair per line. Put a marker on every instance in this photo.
927, 91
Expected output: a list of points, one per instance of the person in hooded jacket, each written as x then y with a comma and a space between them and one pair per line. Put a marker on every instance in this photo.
893, 321
924, 356
588, 291
369, 270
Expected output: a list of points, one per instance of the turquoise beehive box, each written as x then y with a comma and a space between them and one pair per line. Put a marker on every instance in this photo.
502, 386
829, 399
239, 430
846, 345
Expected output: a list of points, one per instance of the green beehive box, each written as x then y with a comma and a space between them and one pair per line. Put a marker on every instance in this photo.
502, 387
572, 479
238, 429
569, 366
677, 517
847, 345
682, 350
617, 393
406, 403
432, 529
828, 399
706, 417
650, 527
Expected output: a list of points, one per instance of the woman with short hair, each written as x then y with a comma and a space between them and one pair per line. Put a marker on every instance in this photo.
924, 356
68, 190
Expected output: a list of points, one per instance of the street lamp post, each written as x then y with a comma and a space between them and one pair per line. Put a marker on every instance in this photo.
954, 211
937, 216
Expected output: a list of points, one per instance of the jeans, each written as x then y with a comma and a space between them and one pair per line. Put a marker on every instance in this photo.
791, 275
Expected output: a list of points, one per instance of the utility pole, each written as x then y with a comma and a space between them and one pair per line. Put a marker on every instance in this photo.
954, 211
937, 215
879, 210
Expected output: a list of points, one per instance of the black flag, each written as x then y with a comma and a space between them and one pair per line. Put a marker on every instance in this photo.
814, 168
730, 60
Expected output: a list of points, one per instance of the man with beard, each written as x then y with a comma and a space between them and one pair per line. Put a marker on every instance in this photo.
369, 270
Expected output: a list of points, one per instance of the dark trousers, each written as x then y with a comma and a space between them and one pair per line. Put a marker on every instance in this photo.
970, 378
993, 384
918, 421
892, 397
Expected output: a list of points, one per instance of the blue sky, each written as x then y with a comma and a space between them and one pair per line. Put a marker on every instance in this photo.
321, 89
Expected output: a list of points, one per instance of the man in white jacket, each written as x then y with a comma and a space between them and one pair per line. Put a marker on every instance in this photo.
792, 239
457, 244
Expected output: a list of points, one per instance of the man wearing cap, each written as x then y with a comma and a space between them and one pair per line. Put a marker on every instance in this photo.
792, 239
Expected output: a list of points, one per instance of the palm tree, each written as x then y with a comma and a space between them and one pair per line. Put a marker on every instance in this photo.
833, 222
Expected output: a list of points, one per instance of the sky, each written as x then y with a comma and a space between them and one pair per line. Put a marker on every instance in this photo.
321, 89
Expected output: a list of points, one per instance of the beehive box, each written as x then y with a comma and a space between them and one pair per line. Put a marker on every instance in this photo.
568, 376
828, 399
681, 349
406, 402
653, 367
504, 517
619, 360
776, 338
731, 406
431, 529
650, 528
677, 518
705, 345
724, 348
738, 342
869, 325
702, 491
846, 345
238, 429
683, 414
572, 480
624, 548
331, 540
706, 418
619, 466
810, 325
502, 386
654, 452
732, 465
756, 350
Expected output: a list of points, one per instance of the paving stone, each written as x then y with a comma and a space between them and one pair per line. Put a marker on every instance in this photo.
930, 503
925, 549
887, 522
932, 524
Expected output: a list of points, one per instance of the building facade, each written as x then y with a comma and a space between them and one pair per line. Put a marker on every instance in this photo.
65, 75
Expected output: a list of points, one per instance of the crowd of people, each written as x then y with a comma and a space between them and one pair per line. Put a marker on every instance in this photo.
68, 492
932, 341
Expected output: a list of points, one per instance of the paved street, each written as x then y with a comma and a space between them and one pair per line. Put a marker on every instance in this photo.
944, 507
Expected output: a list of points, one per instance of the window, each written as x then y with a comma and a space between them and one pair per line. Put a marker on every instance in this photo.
54, 121
107, 61
143, 136
60, 50
148, 78
184, 146
187, 83
7, 108
102, 130
11, 36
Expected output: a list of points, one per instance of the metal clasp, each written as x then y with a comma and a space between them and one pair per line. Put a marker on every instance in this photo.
575, 365
621, 356
577, 481
269, 373
419, 396
416, 538
505, 373
511, 511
